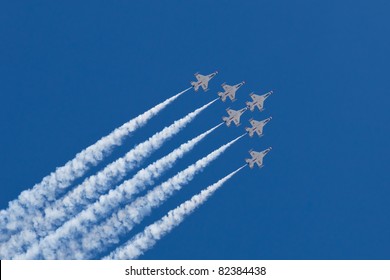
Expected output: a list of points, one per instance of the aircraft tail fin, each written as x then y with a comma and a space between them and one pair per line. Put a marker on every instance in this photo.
248, 161
249, 105
223, 98
195, 86
250, 132
226, 120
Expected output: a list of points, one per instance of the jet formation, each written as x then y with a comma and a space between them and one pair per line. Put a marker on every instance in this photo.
235, 115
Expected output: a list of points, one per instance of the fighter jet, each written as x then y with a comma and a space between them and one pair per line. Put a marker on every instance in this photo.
257, 126
202, 81
230, 91
233, 116
257, 157
258, 101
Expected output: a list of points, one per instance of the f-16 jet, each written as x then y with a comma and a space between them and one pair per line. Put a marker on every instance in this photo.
229, 91
202, 81
257, 126
258, 101
257, 157
233, 116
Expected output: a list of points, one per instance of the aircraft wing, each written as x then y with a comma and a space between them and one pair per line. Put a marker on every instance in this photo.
253, 122
259, 130
205, 85
260, 105
259, 162
230, 111
236, 120
226, 87
199, 77
232, 96
254, 97
255, 154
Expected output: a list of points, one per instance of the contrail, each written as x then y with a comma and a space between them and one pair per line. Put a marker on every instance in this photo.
55, 183
54, 215
126, 191
145, 240
106, 203
98, 238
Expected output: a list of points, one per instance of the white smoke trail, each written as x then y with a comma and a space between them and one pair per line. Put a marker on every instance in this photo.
55, 183
106, 203
107, 233
145, 240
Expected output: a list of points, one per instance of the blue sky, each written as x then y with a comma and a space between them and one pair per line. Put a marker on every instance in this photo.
71, 72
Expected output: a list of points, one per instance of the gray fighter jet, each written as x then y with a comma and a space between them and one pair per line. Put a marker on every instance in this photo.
258, 101
257, 157
202, 81
233, 116
257, 126
230, 91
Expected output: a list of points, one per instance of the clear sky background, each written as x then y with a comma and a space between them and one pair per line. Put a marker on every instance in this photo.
72, 71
